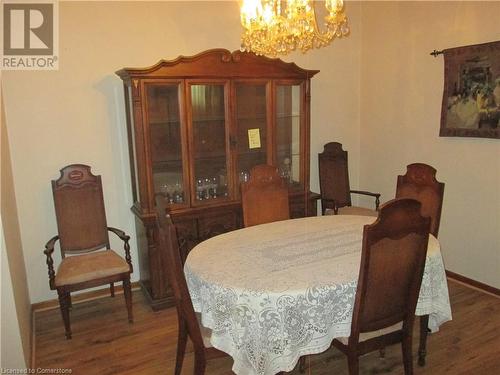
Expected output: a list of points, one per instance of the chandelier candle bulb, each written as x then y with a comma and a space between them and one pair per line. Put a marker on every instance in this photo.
272, 29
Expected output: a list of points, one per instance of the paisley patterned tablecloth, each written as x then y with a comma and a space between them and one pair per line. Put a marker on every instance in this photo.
272, 293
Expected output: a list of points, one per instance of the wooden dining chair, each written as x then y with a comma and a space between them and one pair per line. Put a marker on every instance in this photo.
189, 325
420, 183
334, 184
264, 198
392, 265
87, 259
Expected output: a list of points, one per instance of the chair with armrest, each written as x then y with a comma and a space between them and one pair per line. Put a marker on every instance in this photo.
420, 183
87, 259
392, 265
264, 198
189, 324
334, 184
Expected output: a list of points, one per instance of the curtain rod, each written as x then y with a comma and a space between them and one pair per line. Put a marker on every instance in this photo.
435, 53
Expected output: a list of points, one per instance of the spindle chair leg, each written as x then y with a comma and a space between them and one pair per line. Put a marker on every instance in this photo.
64, 301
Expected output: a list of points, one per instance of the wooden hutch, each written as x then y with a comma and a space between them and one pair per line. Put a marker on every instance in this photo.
196, 126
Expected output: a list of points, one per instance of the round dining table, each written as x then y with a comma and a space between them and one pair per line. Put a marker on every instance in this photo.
274, 292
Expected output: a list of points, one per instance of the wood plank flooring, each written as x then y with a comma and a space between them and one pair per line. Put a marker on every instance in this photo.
104, 343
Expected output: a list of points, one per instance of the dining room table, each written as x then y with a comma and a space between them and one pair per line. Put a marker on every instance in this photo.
272, 293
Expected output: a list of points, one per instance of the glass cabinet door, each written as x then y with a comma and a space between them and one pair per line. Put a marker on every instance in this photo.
288, 133
208, 142
251, 127
164, 123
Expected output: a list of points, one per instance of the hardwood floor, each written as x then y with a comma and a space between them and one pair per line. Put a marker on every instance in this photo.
104, 343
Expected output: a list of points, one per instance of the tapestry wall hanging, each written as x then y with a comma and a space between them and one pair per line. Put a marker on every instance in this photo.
471, 96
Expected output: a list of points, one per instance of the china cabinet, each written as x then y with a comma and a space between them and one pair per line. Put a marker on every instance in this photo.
196, 126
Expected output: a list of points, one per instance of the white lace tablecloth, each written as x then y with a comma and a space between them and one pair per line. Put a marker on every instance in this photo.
272, 293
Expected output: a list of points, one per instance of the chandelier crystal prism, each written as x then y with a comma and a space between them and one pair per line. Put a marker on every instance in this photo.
278, 27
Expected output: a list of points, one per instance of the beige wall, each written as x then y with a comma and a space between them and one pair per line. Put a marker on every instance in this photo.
76, 114
401, 90
16, 307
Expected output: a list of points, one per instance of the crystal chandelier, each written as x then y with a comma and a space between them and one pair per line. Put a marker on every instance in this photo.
278, 27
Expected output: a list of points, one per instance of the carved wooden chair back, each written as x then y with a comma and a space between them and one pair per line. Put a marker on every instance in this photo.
392, 265
420, 183
80, 213
334, 176
264, 198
